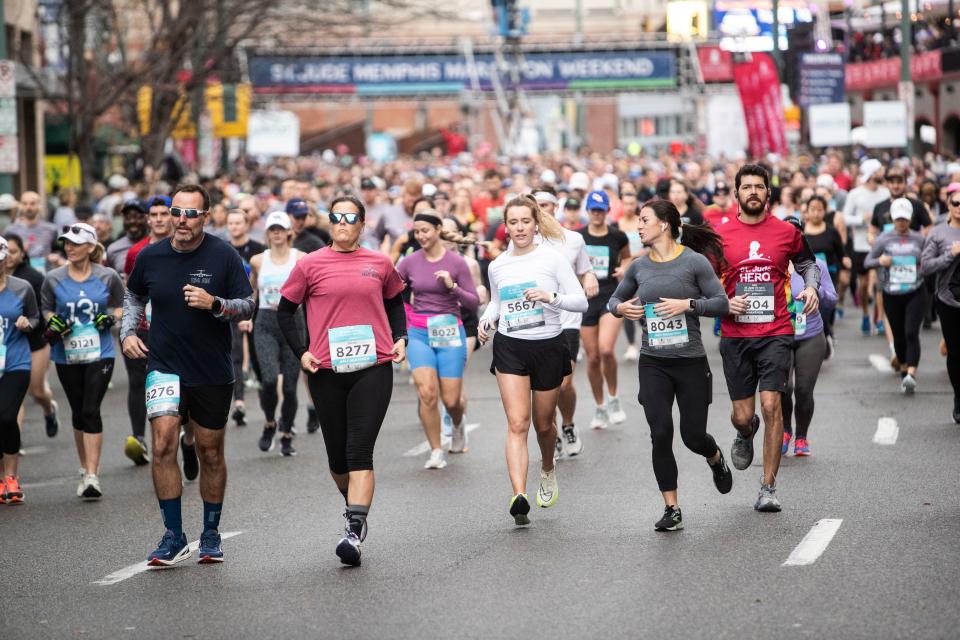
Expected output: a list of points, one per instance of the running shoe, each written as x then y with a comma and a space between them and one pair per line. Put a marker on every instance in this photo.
865, 326
879, 328
519, 508
80, 486
446, 422
50, 422
136, 449
741, 453
672, 520
831, 347
908, 385
10, 491
722, 476
631, 354
600, 419
767, 501
548, 492
616, 413
171, 550
239, 416
458, 439
435, 461
956, 410
191, 465
572, 444
787, 437
286, 447
840, 312
91, 487
266, 438
210, 549
558, 450
313, 420
348, 549
801, 448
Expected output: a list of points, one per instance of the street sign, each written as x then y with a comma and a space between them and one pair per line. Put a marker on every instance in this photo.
9, 154
273, 133
829, 124
886, 124
8, 79
8, 116
821, 79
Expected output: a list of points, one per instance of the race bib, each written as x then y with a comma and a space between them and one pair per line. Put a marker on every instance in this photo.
599, 261
82, 346
636, 246
352, 348
799, 319
888, 227
163, 394
665, 332
40, 264
759, 302
444, 331
519, 313
3, 358
270, 289
832, 268
903, 273
148, 312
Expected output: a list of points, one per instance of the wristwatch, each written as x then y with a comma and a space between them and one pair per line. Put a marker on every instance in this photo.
216, 306
691, 305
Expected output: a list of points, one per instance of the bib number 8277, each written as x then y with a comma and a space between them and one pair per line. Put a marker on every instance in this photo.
352, 350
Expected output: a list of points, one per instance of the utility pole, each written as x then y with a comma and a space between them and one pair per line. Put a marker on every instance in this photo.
906, 80
776, 37
6, 180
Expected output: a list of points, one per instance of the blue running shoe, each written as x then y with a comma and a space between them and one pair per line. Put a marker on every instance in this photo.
865, 326
171, 550
210, 551
446, 421
880, 327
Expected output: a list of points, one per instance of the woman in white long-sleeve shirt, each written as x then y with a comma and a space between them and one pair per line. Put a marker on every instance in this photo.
529, 286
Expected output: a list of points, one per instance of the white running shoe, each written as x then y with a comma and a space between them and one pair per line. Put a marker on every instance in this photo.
549, 491
436, 460
600, 419
81, 485
615, 411
91, 488
631, 354
458, 439
558, 452
572, 444
908, 385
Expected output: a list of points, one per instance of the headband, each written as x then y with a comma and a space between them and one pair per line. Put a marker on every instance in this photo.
426, 217
545, 196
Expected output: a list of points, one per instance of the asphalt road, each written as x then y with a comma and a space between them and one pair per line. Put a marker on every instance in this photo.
443, 558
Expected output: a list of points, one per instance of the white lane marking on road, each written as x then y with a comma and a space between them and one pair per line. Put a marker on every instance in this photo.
880, 363
34, 451
424, 447
50, 483
887, 431
814, 543
140, 567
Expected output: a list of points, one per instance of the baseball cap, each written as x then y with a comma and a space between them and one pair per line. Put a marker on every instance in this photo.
297, 207
548, 176
901, 209
598, 200
4, 249
79, 233
870, 167
366, 184
580, 181
136, 205
428, 189
8, 202
826, 181
571, 203
721, 188
118, 182
277, 219
159, 201
953, 187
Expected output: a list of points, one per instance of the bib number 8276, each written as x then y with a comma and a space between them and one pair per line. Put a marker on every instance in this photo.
160, 392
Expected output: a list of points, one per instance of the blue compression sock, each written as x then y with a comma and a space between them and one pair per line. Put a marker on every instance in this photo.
170, 511
211, 515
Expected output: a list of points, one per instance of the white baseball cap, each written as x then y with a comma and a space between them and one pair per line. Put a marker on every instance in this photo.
428, 189
8, 202
548, 176
870, 167
826, 180
901, 209
79, 233
277, 219
580, 180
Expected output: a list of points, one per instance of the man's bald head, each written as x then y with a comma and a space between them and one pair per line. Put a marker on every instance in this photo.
29, 205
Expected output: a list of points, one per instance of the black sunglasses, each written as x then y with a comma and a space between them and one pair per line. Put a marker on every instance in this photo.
191, 214
955, 203
349, 218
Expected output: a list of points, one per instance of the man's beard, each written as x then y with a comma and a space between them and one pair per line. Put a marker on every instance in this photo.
752, 207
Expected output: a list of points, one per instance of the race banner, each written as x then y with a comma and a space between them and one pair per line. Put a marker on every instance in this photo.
759, 86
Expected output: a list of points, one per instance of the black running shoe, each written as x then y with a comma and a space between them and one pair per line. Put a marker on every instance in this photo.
313, 420
671, 520
286, 447
956, 410
51, 422
519, 508
741, 452
191, 465
722, 477
266, 438
239, 416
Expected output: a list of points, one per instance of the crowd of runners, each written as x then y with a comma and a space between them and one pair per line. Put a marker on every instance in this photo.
322, 279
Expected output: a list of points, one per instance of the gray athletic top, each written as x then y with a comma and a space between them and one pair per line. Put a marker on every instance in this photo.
689, 275
904, 275
938, 258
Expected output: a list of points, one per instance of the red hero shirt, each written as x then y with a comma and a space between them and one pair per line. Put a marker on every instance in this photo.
757, 257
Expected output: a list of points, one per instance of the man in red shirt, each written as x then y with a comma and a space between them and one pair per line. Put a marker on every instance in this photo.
758, 334
488, 206
723, 207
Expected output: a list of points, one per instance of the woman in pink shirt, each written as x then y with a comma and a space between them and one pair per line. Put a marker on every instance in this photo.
357, 330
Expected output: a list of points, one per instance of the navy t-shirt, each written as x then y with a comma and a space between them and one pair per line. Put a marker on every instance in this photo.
189, 342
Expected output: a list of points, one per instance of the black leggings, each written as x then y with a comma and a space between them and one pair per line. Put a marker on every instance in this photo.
630, 329
137, 391
690, 381
13, 388
351, 407
85, 386
950, 325
807, 358
905, 313
276, 357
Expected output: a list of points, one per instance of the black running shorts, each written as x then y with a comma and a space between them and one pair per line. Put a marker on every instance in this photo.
208, 406
545, 362
572, 338
752, 363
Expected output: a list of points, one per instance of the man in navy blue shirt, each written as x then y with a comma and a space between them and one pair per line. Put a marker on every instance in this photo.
196, 285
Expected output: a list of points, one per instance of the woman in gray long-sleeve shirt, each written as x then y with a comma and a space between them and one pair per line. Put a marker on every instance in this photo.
669, 288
